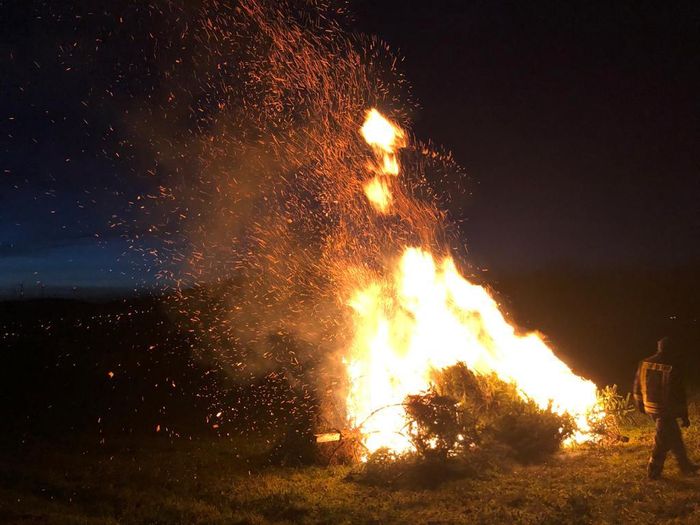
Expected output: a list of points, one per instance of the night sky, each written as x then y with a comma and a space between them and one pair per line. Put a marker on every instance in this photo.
578, 126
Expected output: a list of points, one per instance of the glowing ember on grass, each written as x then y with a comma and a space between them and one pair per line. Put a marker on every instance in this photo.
422, 316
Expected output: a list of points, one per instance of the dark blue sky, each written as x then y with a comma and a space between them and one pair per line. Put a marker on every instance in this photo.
64, 185
579, 126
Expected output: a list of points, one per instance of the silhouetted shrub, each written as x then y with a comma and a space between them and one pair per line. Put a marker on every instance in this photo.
465, 412
532, 432
436, 427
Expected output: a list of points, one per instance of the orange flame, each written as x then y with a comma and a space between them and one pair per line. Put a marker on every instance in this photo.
379, 194
384, 138
382, 134
425, 316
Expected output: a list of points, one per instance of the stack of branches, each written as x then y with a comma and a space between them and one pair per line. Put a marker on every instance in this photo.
464, 412
436, 425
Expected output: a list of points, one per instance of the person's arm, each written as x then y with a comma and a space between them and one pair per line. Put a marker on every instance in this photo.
637, 391
678, 395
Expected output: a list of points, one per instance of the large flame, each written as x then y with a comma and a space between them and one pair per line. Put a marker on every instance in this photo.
424, 316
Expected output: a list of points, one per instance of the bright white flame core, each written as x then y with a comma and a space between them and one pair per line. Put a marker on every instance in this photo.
380, 133
430, 318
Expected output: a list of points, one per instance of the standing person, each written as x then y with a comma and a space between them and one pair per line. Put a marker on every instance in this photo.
659, 392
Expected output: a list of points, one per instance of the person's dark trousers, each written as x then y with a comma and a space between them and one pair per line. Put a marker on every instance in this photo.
668, 438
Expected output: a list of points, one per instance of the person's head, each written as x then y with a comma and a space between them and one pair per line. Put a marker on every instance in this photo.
669, 347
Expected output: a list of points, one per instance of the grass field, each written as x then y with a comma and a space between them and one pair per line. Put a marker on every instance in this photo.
155, 480
58, 404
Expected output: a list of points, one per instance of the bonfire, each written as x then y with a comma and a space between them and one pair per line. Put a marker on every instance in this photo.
421, 315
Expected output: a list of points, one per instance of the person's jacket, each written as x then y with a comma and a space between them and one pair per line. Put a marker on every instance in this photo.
658, 385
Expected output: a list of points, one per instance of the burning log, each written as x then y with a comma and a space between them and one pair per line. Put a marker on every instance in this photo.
340, 447
328, 437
